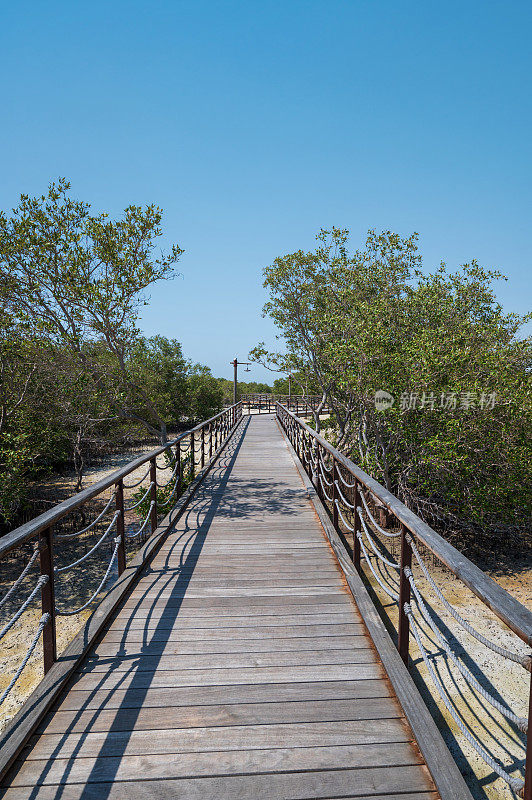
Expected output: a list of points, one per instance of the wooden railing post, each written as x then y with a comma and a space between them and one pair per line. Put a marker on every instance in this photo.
210, 441
46, 556
335, 495
202, 447
120, 526
153, 494
192, 458
404, 597
356, 525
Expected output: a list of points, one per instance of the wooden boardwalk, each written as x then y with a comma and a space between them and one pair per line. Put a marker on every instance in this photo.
239, 667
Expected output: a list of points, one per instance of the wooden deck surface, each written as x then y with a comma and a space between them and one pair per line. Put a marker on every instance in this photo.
239, 667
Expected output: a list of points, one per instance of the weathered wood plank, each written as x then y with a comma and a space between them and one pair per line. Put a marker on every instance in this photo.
387, 758
205, 661
255, 594
205, 716
334, 641
403, 783
183, 634
150, 697
218, 738
281, 786
195, 621
217, 677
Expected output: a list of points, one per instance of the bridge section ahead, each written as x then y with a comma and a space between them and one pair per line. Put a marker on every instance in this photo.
239, 666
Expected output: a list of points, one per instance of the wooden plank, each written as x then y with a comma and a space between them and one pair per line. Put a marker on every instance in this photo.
254, 594
217, 677
205, 716
107, 649
145, 767
283, 786
206, 661
403, 783
218, 739
150, 697
217, 633
206, 580
210, 609
206, 622
252, 603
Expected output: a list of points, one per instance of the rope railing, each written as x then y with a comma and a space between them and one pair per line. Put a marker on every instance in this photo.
93, 549
330, 470
138, 481
72, 612
373, 546
22, 608
502, 651
20, 579
140, 531
144, 496
521, 722
171, 495
172, 476
342, 497
382, 531
346, 523
324, 490
93, 524
388, 590
516, 784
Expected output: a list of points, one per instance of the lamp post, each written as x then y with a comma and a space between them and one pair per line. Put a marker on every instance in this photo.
235, 364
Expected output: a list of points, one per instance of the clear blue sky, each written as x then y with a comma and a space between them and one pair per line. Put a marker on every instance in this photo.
253, 124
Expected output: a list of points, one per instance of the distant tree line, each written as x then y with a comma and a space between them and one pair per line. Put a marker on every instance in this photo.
455, 443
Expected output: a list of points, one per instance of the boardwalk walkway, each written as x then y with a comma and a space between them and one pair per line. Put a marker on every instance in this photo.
238, 668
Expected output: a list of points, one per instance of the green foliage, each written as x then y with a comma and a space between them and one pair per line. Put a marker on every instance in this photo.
164, 492
78, 278
205, 396
355, 323
76, 375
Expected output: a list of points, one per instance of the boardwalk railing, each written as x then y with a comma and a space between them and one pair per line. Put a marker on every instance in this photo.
354, 501
45, 545
298, 403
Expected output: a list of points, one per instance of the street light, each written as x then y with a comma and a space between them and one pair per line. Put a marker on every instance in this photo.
235, 364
